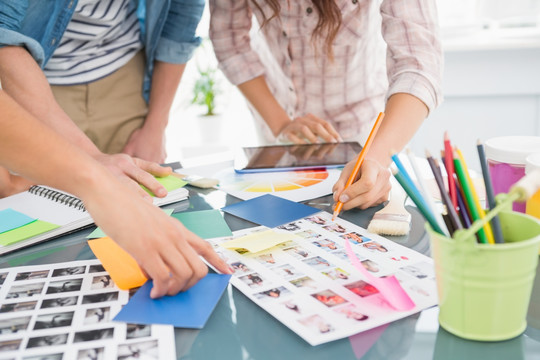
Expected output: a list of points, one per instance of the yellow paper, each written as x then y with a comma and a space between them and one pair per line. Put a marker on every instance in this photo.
259, 241
123, 269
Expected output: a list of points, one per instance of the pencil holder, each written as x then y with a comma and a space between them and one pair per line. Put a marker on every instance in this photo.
484, 290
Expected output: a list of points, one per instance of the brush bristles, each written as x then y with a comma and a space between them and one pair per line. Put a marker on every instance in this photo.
390, 224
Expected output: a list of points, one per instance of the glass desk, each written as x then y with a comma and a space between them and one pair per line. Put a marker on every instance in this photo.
239, 329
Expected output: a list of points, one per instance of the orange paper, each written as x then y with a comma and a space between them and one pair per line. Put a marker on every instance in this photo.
123, 269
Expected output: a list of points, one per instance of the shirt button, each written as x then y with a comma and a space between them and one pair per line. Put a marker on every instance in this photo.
309, 10
53, 41
284, 33
70, 4
354, 1
290, 88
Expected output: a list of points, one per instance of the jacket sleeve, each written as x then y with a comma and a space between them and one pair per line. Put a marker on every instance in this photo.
414, 53
178, 40
12, 14
230, 24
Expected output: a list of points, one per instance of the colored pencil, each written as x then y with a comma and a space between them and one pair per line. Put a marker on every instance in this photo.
450, 170
359, 161
434, 165
420, 204
423, 191
495, 222
463, 211
481, 212
468, 195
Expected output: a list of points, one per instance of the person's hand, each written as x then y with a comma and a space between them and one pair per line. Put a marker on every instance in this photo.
309, 129
132, 172
12, 184
147, 143
165, 250
372, 188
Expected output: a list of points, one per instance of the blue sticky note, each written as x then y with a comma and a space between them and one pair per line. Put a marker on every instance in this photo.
269, 210
11, 219
188, 309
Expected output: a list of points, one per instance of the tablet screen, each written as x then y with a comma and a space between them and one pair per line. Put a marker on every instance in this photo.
295, 157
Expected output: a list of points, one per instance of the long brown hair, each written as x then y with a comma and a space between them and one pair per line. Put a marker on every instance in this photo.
327, 25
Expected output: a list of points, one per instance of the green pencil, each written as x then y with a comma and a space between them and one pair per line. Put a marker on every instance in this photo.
420, 204
462, 177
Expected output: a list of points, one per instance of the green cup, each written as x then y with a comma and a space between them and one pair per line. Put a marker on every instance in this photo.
484, 290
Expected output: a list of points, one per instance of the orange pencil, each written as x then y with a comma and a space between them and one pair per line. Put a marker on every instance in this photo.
359, 161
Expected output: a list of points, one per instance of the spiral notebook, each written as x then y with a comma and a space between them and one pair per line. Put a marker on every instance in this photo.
43, 213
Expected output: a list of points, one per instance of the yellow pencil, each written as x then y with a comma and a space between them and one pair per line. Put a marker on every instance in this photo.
487, 227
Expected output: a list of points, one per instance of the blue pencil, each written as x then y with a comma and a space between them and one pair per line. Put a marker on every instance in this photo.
405, 174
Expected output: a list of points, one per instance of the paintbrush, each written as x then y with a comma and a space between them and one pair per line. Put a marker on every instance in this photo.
393, 219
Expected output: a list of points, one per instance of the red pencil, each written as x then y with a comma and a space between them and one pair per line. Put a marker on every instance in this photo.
450, 169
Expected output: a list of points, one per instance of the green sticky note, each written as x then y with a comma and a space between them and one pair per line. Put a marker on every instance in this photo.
98, 233
207, 223
169, 182
27, 231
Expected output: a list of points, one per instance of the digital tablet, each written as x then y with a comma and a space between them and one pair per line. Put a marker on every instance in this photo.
294, 157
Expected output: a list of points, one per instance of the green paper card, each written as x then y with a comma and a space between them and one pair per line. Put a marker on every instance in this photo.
169, 182
207, 223
27, 231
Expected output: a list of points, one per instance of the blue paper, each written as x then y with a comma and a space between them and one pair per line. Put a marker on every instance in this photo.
11, 219
188, 309
270, 211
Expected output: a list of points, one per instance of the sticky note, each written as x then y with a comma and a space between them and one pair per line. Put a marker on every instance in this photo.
269, 210
98, 233
259, 241
187, 309
169, 183
207, 223
25, 232
123, 269
11, 219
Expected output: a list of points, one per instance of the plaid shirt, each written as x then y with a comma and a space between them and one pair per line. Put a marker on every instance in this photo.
350, 90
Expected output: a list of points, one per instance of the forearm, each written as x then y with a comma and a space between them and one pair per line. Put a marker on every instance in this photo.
404, 114
24, 81
258, 94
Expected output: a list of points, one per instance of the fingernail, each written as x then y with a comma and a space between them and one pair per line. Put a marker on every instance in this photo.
343, 198
231, 270
162, 192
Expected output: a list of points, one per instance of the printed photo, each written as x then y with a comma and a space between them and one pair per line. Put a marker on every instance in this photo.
96, 268
341, 254
92, 335
59, 302
351, 312
101, 297
3, 277
141, 350
266, 259
335, 228
326, 244
375, 246
54, 320
22, 291
318, 263
304, 282
21, 306
64, 286
336, 274
400, 258
97, 315
12, 326
297, 252
240, 267
416, 270
291, 305
316, 220
289, 227
308, 234
274, 293
253, 280
287, 271
362, 288
135, 331
91, 354
316, 323
56, 356
32, 275
75, 270
10, 345
355, 238
329, 298
370, 265
102, 282
48, 340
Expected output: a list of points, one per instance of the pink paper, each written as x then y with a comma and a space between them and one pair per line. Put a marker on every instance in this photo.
388, 287
363, 341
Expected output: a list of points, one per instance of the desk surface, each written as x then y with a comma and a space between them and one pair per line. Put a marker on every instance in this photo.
239, 329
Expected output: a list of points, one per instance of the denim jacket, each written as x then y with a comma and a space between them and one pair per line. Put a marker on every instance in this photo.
167, 29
